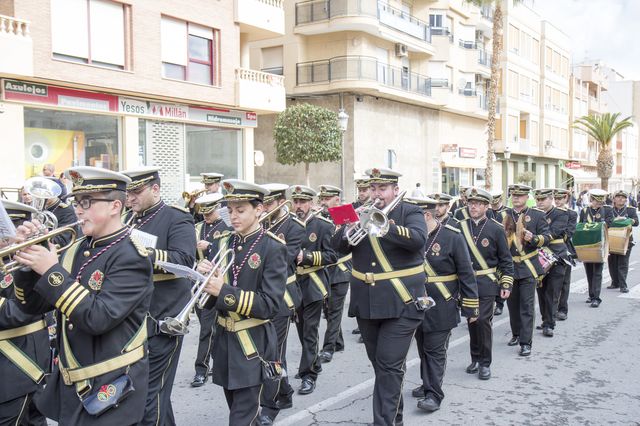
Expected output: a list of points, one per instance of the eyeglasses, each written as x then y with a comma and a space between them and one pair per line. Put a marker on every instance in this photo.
86, 203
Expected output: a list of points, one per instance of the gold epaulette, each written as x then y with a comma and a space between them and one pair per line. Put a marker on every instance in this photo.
182, 209
275, 237
325, 219
295, 219
142, 251
64, 205
453, 228
497, 222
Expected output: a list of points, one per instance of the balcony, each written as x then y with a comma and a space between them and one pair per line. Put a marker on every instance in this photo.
260, 91
364, 70
375, 18
260, 19
16, 47
594, 104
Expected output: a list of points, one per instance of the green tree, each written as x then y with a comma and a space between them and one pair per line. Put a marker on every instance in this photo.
497, 46
603, 129
307, 134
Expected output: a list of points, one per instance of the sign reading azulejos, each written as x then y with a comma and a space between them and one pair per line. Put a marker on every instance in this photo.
24, 87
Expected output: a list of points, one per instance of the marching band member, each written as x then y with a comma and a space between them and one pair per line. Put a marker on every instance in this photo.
172, 230
211, 182
619, 264
315, 255
442, 213
364, 191
498, 212
101, 289
387, 291
277, 394
247, 298
561, 199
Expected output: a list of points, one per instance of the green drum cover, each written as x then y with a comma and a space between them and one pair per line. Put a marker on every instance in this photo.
588, 234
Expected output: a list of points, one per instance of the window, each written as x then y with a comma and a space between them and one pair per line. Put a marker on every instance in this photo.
555, 67
564, 67
525, 88
90, 32
548, 57
563, 138
435, 21
535, 52
512, 85
272, 60
535, 92
514, 39
189, 51
535, 134
512, 128
214, 148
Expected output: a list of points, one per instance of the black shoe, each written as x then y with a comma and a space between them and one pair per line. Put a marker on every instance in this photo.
514, 341
285, 401
473, 367
308, 386
297, 376
418, 392
525, 350
325, 356
339, 349
548, 332
264, 420
198, 380
497, 311
624, 290
429, 404
595, 303
589, 300
538, 327
356, 331
360, 339
612, 286
561, 316
484, 373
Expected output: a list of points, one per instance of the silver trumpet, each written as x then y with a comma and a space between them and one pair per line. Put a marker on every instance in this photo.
373, 221
179, 325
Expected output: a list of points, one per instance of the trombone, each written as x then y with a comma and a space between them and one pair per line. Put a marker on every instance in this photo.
266, 217
12, 249
315, 211
179, 325
372, 221
188, 196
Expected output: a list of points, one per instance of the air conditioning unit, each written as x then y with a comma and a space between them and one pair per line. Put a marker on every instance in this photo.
402, 50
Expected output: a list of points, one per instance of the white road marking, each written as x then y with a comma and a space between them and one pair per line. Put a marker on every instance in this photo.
322, 405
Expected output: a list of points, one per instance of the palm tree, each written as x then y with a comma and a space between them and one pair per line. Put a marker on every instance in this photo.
603, 129
493, 83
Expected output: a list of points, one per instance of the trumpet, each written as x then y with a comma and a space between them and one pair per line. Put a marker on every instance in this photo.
41, 189
188, 196
179, 325
266, 217
315, 211
372, 221
12, 249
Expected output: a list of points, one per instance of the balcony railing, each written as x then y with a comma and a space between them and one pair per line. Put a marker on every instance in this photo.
274, 70
441, 83
13, 26
363, 68
468, 91
320, 10
468, 44
484, 58
487, 13
442, 31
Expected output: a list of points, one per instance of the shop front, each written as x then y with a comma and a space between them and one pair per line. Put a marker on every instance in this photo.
461, 166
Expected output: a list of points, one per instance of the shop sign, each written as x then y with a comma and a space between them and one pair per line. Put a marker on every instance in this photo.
449, 148
224, 116
217, 118
23, 91
24, 87
153, 109
572, 165
467, 152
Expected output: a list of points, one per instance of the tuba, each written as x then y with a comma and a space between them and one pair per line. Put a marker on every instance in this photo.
41, 189
373, 221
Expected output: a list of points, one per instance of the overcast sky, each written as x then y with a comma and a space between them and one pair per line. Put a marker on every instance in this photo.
608, 30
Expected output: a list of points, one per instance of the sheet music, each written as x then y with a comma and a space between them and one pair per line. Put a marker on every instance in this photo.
146, 239
7, 229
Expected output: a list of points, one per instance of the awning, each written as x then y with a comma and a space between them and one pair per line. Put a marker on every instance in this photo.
582, 176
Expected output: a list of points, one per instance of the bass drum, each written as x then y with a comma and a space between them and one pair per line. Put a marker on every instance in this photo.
590, 241
619, 235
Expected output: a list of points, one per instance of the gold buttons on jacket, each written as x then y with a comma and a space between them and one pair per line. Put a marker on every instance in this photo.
86, 253
373, 263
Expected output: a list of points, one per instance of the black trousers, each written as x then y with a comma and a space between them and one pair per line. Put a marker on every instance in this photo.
499, 301
164, 353
307, 325
481, 333
333, 340
594, 279
275, 390
387, 343
522, 309
619, 268
21, 412
243, 405
563, 302
432, 347
549, 294
207, 319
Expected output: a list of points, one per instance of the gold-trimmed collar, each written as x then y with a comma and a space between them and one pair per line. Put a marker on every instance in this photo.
102, 241
152, 208
250, 235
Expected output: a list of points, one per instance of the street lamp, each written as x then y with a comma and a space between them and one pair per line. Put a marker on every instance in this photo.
507, 152
343, 121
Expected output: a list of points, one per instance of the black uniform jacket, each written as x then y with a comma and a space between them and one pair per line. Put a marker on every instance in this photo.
290, 230
256, 291
317, 253
526, 264
602, 214
206, 232
400, 249
176, 243
570, 230
627, 212
341, 271
447, 255
15, 383
66, 216
104, 308
451, 221
463, 213
558, 220
499, 214
489, 240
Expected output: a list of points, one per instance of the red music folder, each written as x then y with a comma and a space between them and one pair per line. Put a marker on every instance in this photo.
344, 214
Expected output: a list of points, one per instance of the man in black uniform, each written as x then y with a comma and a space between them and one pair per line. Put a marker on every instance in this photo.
449, 279
211, 227
339, 275
101, 289
277, 394
527, 231
561, 198
312, 260
442, 213
492, 265
211, 182
462, 200
498, 212
619, 264
364, 191
24, 358
595, 212
387, 291
549, 291
169, 232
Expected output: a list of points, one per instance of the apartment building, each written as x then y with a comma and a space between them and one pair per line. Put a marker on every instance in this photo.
411, 75
532, 133
120, 84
